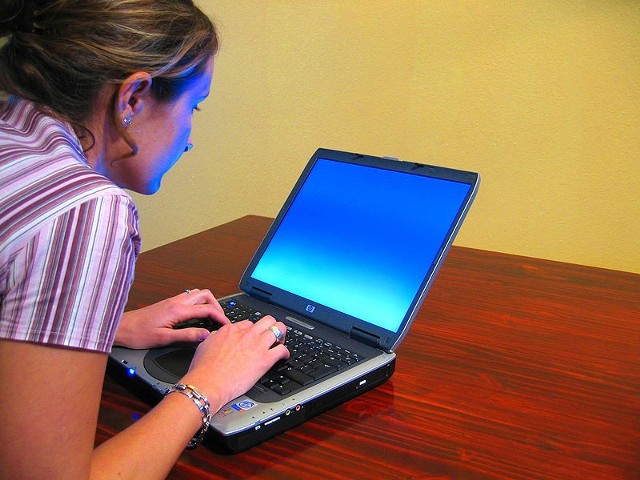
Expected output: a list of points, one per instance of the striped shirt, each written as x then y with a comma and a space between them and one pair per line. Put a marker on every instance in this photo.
68, 237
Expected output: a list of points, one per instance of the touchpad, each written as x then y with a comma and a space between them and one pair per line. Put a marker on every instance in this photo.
168, 364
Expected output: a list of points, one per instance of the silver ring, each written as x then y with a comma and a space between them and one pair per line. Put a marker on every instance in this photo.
187, 291
277, 332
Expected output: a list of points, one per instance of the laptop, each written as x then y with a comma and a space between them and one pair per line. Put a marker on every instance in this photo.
345, 265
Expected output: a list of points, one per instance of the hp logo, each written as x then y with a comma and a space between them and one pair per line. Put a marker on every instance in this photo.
310, 308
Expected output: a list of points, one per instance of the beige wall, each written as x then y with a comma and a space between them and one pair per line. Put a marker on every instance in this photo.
541, 97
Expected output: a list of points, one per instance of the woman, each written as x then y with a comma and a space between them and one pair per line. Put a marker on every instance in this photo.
99, 96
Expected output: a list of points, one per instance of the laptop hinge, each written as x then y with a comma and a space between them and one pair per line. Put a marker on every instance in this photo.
365, 337
261, 294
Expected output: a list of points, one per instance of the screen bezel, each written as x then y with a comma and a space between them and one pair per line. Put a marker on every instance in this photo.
326, 315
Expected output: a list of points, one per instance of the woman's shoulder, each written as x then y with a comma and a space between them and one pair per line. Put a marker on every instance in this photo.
45, 173
38, 153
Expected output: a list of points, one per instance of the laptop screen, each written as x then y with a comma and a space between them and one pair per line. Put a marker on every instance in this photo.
361, 240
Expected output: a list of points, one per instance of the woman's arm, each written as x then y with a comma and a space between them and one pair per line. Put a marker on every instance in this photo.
50, 399
48, 410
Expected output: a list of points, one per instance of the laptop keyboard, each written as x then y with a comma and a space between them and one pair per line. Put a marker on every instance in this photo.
311, 357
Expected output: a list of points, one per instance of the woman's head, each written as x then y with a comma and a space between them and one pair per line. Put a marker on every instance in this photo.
62, 54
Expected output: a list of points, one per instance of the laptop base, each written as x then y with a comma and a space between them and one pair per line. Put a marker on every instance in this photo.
269, 428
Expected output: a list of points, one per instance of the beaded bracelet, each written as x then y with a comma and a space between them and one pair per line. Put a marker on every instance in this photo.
203, 405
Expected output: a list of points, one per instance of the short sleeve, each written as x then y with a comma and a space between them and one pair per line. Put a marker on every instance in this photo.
67, 283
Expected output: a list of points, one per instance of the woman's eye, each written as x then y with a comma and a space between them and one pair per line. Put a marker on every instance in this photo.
196, 109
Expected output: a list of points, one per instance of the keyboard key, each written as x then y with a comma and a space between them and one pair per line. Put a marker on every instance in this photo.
298, 377
322, 372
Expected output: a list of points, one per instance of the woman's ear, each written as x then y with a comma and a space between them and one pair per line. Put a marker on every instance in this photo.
132, 95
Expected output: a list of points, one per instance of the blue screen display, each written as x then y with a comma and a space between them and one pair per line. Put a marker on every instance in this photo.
361, 240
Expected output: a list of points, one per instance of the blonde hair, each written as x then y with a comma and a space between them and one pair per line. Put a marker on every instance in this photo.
61, 54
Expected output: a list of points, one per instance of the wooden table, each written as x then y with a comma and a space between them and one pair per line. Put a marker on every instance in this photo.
516, 368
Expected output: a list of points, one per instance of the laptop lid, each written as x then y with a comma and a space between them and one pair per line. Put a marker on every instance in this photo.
359, 241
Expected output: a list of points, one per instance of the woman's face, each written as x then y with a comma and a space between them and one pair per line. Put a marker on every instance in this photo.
161, 131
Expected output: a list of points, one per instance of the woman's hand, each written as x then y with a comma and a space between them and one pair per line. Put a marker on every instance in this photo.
152, 326
231, 360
